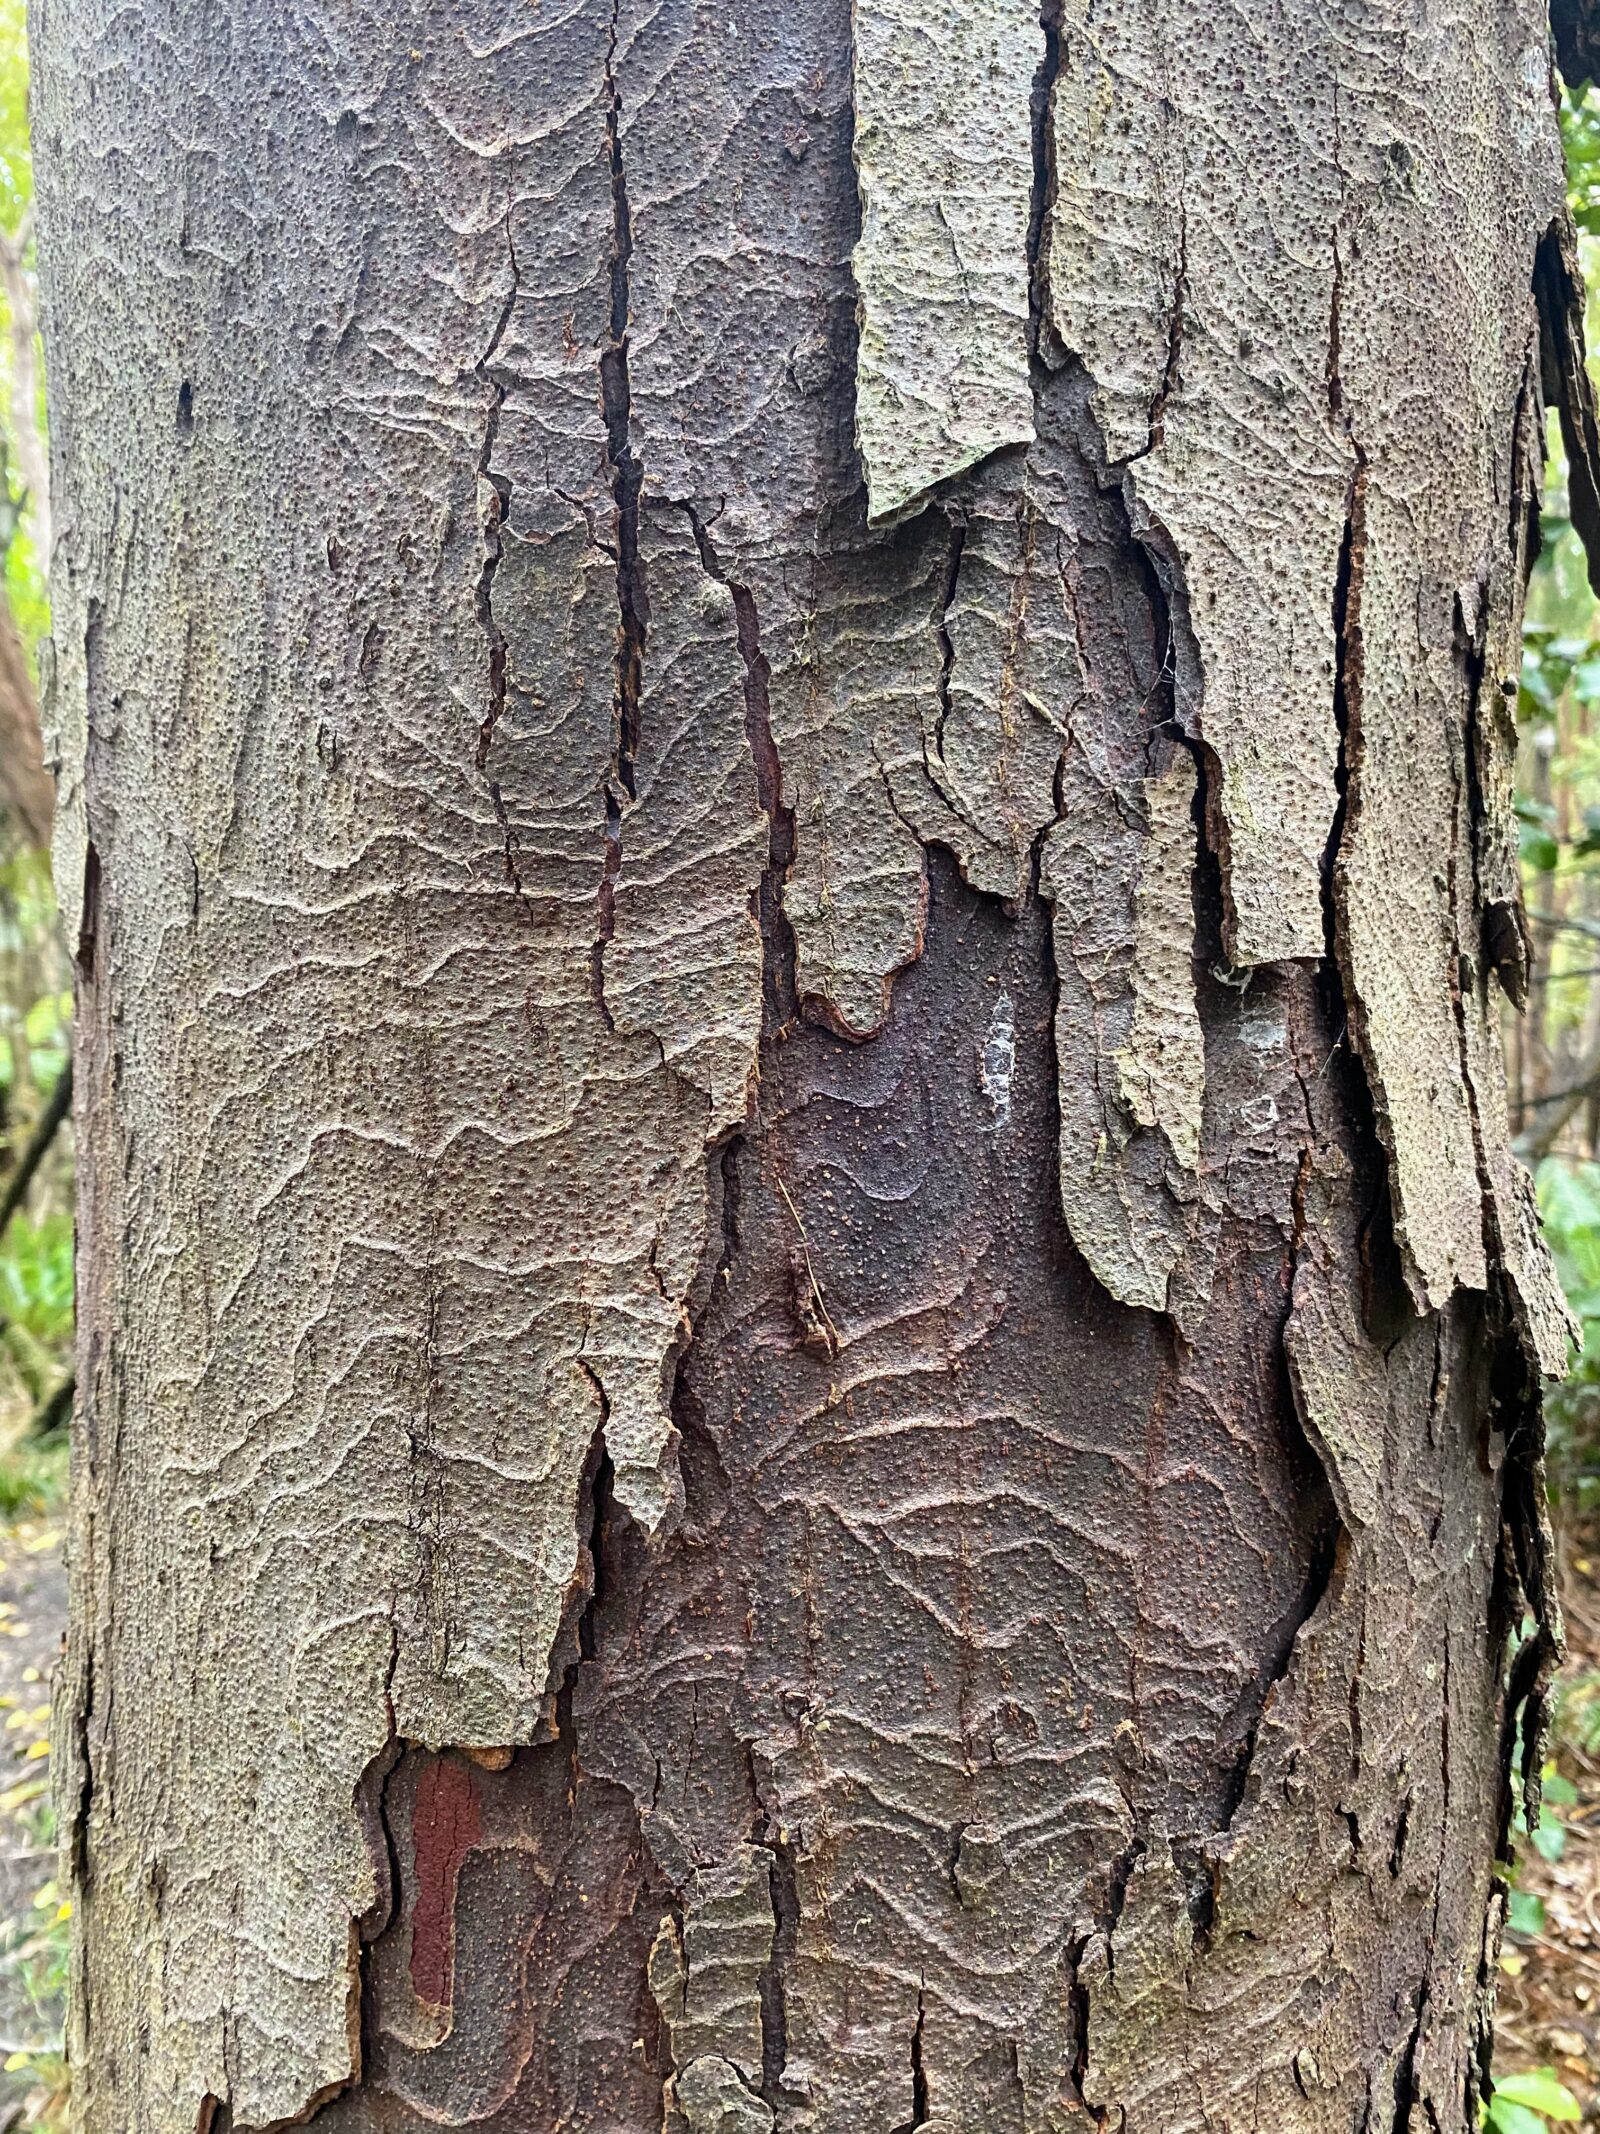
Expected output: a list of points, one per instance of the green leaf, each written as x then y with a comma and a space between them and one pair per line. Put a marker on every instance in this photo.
43, 1021
1525, 1912
1507, 2117
1558, 1791
1541, 2090
1540, 849
1549, 1840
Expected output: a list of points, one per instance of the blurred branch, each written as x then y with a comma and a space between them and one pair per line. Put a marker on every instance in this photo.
52, 1415
1559, 1104
1573, 1089
39, 1141
26, 788
1576, 24
1591, 927
33, 462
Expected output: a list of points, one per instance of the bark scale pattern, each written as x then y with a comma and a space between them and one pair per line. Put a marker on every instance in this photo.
808, 1338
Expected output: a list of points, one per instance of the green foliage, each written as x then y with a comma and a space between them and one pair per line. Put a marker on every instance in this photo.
16, 163
1530, 2103
1525, 1912
1580, 136
1577, 1714
36, 1304
33, 1479
1550, 1839
23, 567
36, 1277
1569, 1200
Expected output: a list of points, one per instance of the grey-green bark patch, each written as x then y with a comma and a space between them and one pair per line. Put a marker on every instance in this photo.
944, 153
1161, 1071
1197, 289
1128, 1036
705, 1975
993, 735
708, 2097
1321, 460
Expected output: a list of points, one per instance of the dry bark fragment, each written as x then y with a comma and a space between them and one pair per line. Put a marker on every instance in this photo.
1010, 682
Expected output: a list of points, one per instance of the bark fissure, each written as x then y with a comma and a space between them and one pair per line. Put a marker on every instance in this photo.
919, 2076
1349, 657
626, 474
779, 955
1171, 373
494, 517
1041, 200
947, 647
772, 1985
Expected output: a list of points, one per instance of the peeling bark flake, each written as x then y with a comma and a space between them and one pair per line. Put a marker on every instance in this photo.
944, 151
1128, 1037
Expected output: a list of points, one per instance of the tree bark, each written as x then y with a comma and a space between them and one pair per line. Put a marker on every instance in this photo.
809, 1358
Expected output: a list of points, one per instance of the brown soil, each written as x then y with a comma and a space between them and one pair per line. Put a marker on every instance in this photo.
1550, 1968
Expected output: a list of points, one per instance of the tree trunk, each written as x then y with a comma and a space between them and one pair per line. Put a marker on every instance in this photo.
809, 1353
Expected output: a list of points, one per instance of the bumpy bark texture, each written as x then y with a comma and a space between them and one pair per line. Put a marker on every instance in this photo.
809, 1350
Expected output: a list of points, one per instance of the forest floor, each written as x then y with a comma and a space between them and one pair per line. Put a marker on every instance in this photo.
1550, 1965
33, 1608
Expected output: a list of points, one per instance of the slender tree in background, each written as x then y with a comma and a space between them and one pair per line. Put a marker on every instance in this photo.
809, 1354
26, 793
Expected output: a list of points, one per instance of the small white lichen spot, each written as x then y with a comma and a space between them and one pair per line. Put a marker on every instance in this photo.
944, 160
999, 1061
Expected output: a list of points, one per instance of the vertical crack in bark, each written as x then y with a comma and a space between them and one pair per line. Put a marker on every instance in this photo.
1515, 1391
919, 2076
1460, 982
1331, 1541
1314, 1589
494, 519
779, 954
947, 648
1405, 2073
772, 1985
627, 477
1505, 939
594, 1513
1078, 2009
1349, 661
1044, 176
1171, 374
76, 1845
